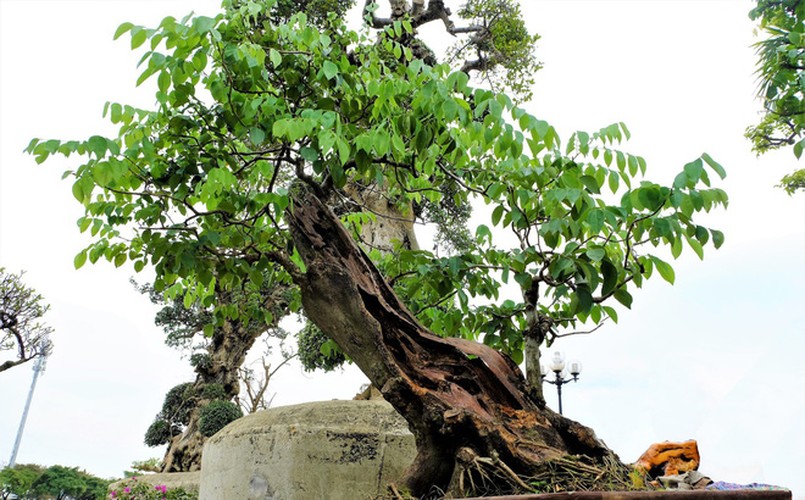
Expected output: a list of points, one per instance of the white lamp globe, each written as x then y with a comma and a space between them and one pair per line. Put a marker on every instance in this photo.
558, 362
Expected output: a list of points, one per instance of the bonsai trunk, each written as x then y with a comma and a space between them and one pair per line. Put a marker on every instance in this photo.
227, 352
465, 403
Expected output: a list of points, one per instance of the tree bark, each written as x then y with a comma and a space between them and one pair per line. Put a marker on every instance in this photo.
533, 374
227, 352
460, 398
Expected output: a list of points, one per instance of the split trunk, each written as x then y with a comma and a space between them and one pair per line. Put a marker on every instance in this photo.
465, 403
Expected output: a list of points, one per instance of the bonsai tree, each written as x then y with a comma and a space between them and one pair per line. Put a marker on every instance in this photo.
21, 328
246, 173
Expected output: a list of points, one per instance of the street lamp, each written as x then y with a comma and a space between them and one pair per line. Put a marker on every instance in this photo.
39, 366
557, 367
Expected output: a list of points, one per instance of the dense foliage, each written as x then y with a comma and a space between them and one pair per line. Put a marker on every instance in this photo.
216, 415
781, 61
180, 402
22, 330
317, 351
198, 188
30, 482
18, 480
175, 414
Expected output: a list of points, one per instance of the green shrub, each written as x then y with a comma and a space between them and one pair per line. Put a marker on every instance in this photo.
214, 391
179, 403
214, 416
158, 433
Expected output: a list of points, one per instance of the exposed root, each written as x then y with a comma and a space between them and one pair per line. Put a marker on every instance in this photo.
395, 493
489, 476
579, 473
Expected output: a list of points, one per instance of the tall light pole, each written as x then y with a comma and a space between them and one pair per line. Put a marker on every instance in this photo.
557, 367
39, 366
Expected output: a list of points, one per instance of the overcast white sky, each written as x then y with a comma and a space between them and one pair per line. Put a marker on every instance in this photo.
716, 358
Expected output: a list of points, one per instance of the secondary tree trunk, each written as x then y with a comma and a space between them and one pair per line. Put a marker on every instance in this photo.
462, 400
226, 353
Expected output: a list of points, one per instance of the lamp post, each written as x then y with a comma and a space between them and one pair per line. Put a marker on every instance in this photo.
557, 367
39, 366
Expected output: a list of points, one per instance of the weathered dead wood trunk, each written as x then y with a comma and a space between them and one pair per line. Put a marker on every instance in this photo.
460, 398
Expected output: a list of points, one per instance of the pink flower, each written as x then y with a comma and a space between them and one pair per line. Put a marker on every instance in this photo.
161, 488
112, 494
127, 489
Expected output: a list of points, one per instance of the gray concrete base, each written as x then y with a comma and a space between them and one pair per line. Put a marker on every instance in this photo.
336, 450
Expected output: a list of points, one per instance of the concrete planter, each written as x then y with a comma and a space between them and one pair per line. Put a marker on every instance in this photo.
334, 450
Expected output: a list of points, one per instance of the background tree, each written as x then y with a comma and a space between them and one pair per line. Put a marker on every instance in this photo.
59, 482
17, 481
261, 131
218, 351
21, 313
781, 61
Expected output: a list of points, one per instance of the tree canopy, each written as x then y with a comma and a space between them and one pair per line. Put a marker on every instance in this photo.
781, 61
61, 482
198, 187
17, 481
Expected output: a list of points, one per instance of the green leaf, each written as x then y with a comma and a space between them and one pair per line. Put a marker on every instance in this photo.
343, 150
611, 312
718, 238
164, 81
590, 183
257, 136
696, 246
649, 197
497, 213
309, 154
623, 297
694, 170
665, 269
585, 298
596, 253
798, 147
614, 181
717, 168
97, 145
330, 69
122, 29
676, 248
276, 57
681, 180
524, 279
203, 24
80, 259
595, 219
610, 274
138, 37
